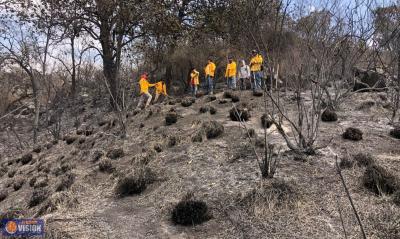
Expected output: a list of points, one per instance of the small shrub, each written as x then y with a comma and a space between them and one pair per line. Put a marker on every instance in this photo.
187, 102
38, 196
18, 183
37, 149
26, 159
364, 159
115, 153
395, 133
106, 166
198, 137
258, 93
213, 111
97, 155
171, 118
266, 121
213, 129
346, 163
378, 180
329, 116
204, 109
235, 98
65, 182
190, 212
11, 173
131, 185
353, 134
239, 114
70, 139
228, 94
3, 195
396, 198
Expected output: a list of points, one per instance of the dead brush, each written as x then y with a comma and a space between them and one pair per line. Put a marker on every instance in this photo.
272, 196
135, 182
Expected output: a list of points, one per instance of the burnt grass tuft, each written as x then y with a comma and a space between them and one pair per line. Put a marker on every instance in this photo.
346, 163
65, 182
379, 181
266, 121
115, 153
353, 134
106, 166
190, 212
239, 114
364, 159
395, 133
26, 159
329, 116
134, 184
213, 111
213, 129
38, 196
171, 118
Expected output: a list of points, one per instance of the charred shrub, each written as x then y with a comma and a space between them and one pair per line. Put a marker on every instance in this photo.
379, 181
115, 153
266, 121
329, 116
130, 185
171, 118
239, 114
235, 98
18, 183
395, 133
106, 166
198, 137
213, 129
3, 195
212, 98
26, 159
353, 134
346, 163
204, 109
70, 139
213, 111
228, 94
190, 212
38, 196
172, 141
187, 102
65, 182
37, 149
258, 93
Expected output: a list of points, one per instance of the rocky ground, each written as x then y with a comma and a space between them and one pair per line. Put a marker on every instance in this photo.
73, 183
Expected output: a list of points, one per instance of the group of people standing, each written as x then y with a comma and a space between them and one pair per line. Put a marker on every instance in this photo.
244, 74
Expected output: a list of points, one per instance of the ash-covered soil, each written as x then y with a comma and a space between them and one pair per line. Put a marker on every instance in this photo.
72, 183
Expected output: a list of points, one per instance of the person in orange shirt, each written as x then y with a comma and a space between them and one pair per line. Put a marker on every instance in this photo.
161, 89
144, 91
194, 81
210, 74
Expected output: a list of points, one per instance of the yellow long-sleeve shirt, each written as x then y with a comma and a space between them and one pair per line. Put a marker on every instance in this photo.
161, 88
210, 69
231, 70
144, 86
255, 63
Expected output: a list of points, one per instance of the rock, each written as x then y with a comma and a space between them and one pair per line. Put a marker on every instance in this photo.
353, 134
213, 129
329, 116
171, 118
115, 153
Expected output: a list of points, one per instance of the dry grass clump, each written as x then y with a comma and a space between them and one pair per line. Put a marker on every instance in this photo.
134, 183
364, 159
274, 195
346, 163
353, 134
213, 129
171, 118
65, 182
187, 102
106, 166
115, 153
38, 196
190, 212
379, 181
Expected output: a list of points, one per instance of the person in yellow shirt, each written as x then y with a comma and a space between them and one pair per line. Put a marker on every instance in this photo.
210, 74
161, 89
194, 81
256, 63
144, 91
230, 74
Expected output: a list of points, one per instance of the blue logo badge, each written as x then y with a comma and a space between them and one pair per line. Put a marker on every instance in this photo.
22, 227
